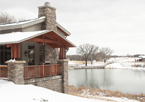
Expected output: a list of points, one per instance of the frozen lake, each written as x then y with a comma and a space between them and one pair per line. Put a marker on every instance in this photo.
126, 81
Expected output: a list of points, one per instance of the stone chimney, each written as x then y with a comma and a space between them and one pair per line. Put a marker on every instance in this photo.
50, 13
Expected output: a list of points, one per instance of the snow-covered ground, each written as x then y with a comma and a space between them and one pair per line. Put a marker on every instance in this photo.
125, 63
73, 63
9, 92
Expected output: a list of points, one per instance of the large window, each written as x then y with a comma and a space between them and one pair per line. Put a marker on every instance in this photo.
31, 55
5, 54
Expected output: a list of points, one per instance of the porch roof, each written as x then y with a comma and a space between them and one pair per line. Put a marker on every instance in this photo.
52, 38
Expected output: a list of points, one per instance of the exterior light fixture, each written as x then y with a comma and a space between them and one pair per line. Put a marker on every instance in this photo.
26, 53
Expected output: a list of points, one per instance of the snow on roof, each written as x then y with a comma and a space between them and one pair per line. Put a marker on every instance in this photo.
62, 28
21, 24
17, 37
142, 56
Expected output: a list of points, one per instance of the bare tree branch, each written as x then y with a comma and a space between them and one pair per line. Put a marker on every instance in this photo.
105, 53
6, 18
87, 51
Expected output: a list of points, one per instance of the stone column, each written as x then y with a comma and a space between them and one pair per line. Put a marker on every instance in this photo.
64, 72
15, 71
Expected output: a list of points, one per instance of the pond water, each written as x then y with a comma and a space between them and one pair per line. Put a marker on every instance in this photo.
126, 81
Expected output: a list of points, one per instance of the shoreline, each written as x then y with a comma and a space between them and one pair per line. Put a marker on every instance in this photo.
103, 94
95, 67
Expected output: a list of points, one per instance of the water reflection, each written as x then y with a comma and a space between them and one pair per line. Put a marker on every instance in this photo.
126, 81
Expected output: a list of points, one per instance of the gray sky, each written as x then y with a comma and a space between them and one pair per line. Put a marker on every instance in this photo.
117, 24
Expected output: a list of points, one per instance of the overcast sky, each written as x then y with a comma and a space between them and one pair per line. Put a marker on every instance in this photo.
117, 24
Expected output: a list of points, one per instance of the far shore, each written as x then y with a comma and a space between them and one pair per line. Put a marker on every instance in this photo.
113, 63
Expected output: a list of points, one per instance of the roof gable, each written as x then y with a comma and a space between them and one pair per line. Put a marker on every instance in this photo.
18, 37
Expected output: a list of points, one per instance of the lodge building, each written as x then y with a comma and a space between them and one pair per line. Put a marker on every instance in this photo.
28, 45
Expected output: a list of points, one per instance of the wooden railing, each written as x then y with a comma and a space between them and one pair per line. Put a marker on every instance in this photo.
37, 71
3, 71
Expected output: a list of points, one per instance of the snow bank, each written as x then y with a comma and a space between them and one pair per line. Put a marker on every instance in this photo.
126, 63
80, 64
9, 92
114, 65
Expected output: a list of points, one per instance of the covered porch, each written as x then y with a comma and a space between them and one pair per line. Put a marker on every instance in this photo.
49, 38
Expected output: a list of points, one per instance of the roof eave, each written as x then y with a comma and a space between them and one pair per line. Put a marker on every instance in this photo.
19, 25
65, 39
45, 31
67, 33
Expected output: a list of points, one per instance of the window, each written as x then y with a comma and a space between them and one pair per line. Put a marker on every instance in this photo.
31, 55
5, 54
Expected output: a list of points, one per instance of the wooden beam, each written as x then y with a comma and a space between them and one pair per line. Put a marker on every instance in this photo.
18, 51
43, 40
39, 40
42, 69
48, 36
53, 39
65, 53
60, 54
49, 45
8, 45
15, 51
12, 51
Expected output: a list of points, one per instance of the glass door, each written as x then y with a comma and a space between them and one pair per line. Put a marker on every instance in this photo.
31, 55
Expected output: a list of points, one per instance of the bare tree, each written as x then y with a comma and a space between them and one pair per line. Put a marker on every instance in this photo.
87, 50
6, 18
105, 53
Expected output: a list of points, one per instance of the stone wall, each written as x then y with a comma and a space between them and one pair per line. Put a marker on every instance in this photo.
52, 82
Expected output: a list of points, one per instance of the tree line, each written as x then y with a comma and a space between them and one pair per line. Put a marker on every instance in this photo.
89, 52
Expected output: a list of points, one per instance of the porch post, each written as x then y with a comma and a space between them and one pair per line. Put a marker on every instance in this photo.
15, 51
62, 54
64, 72
15, 71
19, 51
12, 52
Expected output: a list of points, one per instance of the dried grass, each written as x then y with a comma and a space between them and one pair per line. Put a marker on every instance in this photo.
92, 93
80, 62
138, 65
